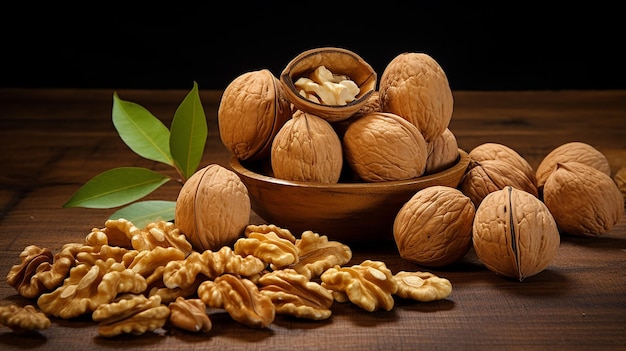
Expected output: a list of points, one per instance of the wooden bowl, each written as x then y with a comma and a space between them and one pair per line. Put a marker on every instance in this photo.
338, 61
345, 212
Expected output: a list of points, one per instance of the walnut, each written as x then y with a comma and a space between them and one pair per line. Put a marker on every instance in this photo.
514, 233
434, 227
294, 294
572, 152
240, 298
160, 234
40, 272
21, 319
253, 107
414, 86
148, 261
496, 151
484, 177
212, 208
269, 248
583, 200
266, 228
96, 247
443, 152
119, 232
316, 254
384, 146
169, 295
130, 314
87, 287
307, 149
190, 315
211, 264
422, 286
340, 63
369, 285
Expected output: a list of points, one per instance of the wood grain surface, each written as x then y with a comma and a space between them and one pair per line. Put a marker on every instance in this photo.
53, 141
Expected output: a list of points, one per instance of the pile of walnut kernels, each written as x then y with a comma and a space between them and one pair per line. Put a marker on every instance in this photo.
136, 281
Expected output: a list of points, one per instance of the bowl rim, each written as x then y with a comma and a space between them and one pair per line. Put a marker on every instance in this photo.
461, 164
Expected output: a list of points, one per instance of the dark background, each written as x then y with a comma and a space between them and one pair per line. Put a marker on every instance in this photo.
481, 46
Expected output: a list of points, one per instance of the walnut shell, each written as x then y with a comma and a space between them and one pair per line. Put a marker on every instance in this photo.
252, 109
573, 151
495, 151
434, 228
414, 86
514, 234
482, 178
338, 61
443, 152
383, 146
212, 208
583, 200
307, 149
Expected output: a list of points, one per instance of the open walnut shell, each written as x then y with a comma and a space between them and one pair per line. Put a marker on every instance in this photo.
338, 61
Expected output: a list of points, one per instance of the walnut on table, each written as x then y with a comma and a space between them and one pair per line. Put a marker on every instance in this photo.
39, 271
130, 314
241, 298
88, 287
369, 285
422, 286
21, 319
294, 294
211, 264
190, 315
269, 247
317, 254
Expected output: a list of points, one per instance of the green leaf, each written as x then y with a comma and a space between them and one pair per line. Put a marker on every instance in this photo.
143, 213
117, 187
188, 133
146, 135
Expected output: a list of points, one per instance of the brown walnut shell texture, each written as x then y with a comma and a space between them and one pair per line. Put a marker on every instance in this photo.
414, 86
575, 151
213, 208
307, 149
583, 200
485, 177
383, 146
496, 151
514, 234
253, 107
434, 228
443, 152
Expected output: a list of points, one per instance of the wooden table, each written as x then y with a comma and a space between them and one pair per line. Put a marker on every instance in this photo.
53, 141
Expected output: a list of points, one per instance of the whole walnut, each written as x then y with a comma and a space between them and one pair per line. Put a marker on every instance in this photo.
573, 151
583, 200
307, 149
484, 177
514, 234
415, 87
252, 109
212, 208
496, 151
443, 152
434, 228
383, 146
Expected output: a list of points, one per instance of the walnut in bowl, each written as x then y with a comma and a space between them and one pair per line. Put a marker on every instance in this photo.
347, 211
328, 72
